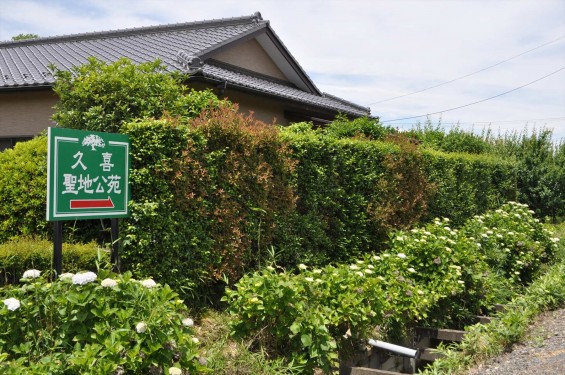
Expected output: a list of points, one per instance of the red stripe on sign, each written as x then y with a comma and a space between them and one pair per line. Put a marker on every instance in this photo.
92, 203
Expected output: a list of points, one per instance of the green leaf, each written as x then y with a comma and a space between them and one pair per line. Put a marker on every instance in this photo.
295, 328
306, 339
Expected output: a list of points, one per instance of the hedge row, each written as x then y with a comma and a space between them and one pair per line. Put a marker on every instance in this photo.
222, 194
26, 253
353, 191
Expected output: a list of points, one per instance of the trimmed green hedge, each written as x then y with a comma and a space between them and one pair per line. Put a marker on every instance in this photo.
468, 184
223, 194
25, 253
353, 191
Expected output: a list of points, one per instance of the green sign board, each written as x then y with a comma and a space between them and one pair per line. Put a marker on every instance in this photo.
87, 175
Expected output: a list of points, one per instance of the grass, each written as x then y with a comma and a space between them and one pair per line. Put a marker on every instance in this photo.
227, 356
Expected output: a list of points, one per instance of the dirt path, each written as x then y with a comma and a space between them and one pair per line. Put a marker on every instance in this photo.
541, 353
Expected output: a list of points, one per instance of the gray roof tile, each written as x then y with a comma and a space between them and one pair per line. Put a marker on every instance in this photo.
25, 63
270, 87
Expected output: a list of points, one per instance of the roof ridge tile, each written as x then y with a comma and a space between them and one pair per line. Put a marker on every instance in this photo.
254, 18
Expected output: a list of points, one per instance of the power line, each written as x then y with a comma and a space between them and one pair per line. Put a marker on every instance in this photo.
470, 74
480, 101
548, 119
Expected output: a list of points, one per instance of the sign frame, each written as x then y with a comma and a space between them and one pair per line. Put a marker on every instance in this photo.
111, 197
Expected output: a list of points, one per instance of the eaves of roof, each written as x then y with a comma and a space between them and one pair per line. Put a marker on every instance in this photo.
247, 81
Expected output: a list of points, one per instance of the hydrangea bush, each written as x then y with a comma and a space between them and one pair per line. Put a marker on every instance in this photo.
435, 275
86, 323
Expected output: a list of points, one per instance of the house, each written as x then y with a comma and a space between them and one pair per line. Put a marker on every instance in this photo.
239, 58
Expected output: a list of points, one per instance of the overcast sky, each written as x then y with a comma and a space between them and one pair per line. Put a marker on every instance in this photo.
369, 51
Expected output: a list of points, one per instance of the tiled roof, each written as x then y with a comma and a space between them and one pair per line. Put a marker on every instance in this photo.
245, 80
25, 63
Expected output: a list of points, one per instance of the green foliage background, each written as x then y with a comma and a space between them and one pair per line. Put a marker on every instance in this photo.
220, 194
26, 253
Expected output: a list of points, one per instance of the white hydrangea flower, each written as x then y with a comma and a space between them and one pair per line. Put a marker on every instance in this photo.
12, 303
401, 255
141, 327
411, 270
368, 271
309, 279
376, 257
187, 322
31, 274
149, 283
195, 340
359, 273
66, 276
555, 240
109, 283
84, 278
302, 266
318, 271
354, 267
175, 371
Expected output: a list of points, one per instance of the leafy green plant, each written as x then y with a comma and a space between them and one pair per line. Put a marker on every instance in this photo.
81, 324
484, 341
362, 127
101, 97
513, 242
23, 183
435, 275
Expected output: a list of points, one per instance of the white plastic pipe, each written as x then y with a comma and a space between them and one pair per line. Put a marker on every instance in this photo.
394, 348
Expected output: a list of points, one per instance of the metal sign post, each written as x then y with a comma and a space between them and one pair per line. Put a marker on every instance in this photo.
87, 178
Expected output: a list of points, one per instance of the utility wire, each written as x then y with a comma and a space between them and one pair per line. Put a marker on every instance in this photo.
480, 101
549, 119
468, 75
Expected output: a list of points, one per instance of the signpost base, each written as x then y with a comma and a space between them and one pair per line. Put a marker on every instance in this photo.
115, 256
58, 248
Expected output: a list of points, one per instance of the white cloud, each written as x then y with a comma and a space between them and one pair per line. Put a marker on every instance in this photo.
370, 50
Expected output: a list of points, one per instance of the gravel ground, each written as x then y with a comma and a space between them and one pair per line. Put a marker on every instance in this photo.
541, 353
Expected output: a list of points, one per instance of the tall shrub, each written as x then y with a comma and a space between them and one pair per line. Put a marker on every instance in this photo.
208, 197
101, 97
538, 174
23, 186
